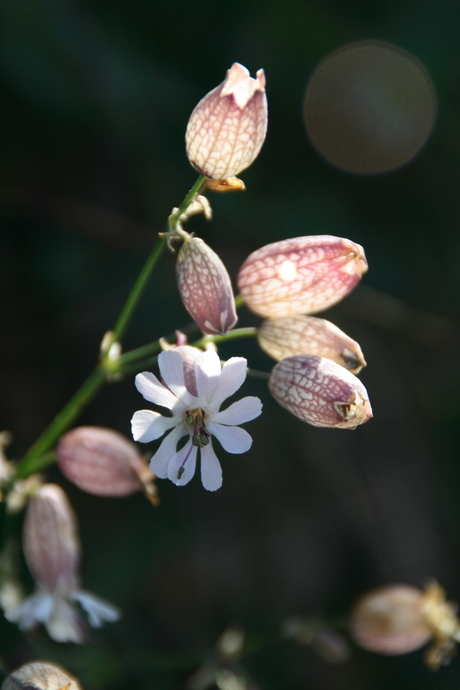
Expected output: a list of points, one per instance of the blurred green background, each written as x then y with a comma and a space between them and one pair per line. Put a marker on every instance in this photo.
95, 100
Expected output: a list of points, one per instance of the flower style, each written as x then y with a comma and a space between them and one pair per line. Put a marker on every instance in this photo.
227, 128
52, 552
196, 416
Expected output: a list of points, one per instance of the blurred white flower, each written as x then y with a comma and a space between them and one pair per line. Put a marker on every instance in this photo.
196, 416
52, 551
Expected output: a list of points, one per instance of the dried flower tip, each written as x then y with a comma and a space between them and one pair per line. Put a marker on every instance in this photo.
39, 675
227, 128
205, 287
102, 462
441, 616
231, 184
301, 275
320, 392
308, 335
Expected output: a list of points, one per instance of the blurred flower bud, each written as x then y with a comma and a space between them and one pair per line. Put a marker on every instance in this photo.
102, 462
398, 619
205, 287
39, 675
390, 620
52, 552
301, 275
189, 355
320, 392
308, 335
227, 128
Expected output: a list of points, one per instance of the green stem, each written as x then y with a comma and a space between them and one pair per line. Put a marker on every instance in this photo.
37, 456
235, 333
144, 275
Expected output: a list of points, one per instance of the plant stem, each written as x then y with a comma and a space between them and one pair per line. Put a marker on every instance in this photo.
144, 275
37, 457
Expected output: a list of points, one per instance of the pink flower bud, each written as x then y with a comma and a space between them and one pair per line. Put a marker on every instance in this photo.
205, 287
308, 335
301, 275
320, 392
189, 355
51, 544
40, 675
52, 552
390, 620
227, 128
102, 462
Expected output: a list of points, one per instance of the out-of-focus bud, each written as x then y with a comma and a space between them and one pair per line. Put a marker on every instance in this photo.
398, 619
320, 392
189, 355
205, 287
308, 335
227, 128
52, 552
390, 620
303, 275
39, 675
103, 462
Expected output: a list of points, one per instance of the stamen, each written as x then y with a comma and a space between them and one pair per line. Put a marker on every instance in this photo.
181, 469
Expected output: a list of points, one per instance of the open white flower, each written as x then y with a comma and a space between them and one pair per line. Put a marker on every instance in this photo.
196, 416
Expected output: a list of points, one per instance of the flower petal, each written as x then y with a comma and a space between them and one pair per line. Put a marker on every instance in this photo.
208, 370
160, 461
211, 471
231, 378
98, 610
172, 371
239, 412
148, 385
147, 426
64, 624
231, 438
187, 454
35, 609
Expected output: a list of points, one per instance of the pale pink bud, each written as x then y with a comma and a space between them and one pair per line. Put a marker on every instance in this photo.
303, 275
205, 287
40, 675
320, 392
52, 552
390, 620
308, 335
189, 355
51, 544
227, 128
102, 462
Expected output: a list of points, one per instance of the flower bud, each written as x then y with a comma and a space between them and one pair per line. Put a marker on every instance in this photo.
227, 128
39, 675
102, 462
51, 544
320, 392
52, 552
301, 275
308, 335
390, 620
189, 355
205, 287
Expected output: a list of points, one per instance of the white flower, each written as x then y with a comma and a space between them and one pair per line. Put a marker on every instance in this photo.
196, 416
52, 552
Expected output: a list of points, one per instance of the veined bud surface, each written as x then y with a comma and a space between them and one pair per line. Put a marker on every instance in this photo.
308, 335
205, 287
189, 355
320, 392
102, 462
40, 675
302, 275
227, 128
51, 543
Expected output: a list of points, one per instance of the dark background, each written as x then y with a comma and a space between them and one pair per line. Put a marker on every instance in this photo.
95, 100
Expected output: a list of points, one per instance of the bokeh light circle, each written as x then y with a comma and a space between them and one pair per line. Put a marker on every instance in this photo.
369, 107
